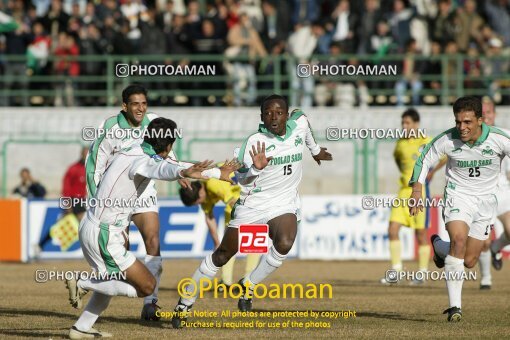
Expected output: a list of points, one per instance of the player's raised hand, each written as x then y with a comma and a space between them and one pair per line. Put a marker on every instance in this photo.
195, 171
227, 168
323, 155
184, 183
415, 202
258, 156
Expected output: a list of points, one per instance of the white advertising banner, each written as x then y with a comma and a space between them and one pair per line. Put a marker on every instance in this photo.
338, 228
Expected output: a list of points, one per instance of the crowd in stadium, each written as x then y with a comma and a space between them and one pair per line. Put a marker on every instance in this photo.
255, 29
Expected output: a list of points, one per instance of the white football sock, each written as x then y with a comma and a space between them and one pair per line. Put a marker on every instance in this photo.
501, 242
112, 287
268, 264
485, 267
206, 270
155, 266
442, 248
454, 265
97, 304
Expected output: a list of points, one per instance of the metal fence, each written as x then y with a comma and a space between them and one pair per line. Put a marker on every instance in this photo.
25, 82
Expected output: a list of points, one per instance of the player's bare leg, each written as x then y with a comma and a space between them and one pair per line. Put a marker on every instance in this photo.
207, 270
501, 242
485, 265
148, 225
282, 230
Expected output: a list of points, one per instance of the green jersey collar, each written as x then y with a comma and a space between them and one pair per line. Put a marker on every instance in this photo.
147, 149
290, 126
124, 124
479, 141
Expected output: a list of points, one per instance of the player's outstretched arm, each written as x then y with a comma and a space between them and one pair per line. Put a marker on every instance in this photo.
195, 171
323, 155
415, 201
227, 168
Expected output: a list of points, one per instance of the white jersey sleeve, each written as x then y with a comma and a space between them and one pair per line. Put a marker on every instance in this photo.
302, 120
430, 155
99, 153
155, 168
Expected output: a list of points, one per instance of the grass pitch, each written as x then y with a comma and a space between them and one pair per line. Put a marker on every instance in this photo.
30, 309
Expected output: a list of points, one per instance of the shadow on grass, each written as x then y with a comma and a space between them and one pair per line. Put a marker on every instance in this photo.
10, 312
36, 333
374, 283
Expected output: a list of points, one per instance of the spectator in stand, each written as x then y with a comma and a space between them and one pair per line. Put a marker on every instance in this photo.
411, 70
92, 43
55, 21
194, 18
498, 16
300, 45
367, 25
346, 26
121, 43
433, 67
29, 187
442, 29
208, 42
304, 11
276, 24
37, 59
497, 64
245, 42
400, 23
382, 44
67, 68
74, 183
133, 10
17, 42
468, 24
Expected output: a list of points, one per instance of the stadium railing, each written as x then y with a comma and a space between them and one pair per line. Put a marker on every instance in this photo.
102, 88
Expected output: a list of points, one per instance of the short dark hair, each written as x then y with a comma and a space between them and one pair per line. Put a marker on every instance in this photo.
412, 113
468, 103
157, 133
273, 97
190, 196
131, 90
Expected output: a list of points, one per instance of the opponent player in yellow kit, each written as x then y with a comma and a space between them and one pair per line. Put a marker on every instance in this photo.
207, 193
406, 153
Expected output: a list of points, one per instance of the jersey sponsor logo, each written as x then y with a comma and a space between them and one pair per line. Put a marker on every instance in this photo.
473, 163
157, 158
286, 159
487, 151
457, 150
454, 210
271, 147
298, 141
253, 238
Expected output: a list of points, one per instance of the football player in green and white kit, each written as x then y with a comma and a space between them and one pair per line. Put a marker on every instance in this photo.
475, 151
272, 169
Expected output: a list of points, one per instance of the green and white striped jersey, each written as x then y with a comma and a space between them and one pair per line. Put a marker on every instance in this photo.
471, 169
277, 184
128, 175
111, 139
